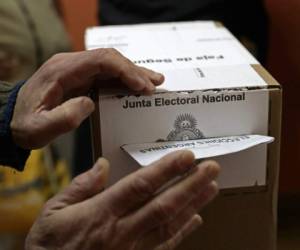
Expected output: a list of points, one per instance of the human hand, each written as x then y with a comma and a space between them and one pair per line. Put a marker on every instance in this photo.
133, 214
53, 101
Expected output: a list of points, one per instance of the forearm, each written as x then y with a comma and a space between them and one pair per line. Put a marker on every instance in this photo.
10, 153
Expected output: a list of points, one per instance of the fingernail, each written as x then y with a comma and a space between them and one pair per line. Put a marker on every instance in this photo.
211, 169
187, 160
197, 221
194, 223
159, 78
100, 163
215, 188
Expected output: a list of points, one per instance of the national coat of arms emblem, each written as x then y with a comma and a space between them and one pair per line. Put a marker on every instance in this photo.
185, 128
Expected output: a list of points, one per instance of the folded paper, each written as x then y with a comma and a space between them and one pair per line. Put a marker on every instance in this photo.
146, 153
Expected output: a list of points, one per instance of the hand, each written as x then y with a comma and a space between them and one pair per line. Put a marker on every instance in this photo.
133, 214
53, 100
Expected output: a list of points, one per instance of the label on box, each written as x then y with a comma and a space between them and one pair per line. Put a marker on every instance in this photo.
146, 153
221, 77
188, 116
211, 89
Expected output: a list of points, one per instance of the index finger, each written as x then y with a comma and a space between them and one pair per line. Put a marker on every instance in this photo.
112, 64
140, 186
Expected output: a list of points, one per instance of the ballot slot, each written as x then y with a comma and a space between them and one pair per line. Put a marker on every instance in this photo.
214, 90
146, 153
176, 116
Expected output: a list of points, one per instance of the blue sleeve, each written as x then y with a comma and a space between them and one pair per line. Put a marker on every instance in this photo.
10, 154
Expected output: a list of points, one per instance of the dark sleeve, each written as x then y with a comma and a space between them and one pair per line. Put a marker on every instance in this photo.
10, 154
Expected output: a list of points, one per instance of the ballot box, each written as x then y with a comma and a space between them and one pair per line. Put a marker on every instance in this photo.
219, 102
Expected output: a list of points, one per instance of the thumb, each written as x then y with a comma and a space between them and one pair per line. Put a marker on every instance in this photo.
64, 118
84, 186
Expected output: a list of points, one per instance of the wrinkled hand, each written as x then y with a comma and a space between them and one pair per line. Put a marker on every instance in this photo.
130, 215
53, 100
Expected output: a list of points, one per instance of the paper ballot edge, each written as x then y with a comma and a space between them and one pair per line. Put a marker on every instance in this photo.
262, 139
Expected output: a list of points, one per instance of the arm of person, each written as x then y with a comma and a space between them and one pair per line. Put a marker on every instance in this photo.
10, 153
133, 214
54, 100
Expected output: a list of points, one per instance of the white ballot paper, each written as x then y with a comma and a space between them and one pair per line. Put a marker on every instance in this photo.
147, 153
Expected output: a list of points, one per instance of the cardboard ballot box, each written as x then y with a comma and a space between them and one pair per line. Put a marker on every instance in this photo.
216, 100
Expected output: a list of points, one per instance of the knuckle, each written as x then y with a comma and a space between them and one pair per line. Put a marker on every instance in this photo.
113, 51
107, 52
124, 70
100, 52
57, 57
142, 188
127, 68
102, 55
49, 70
